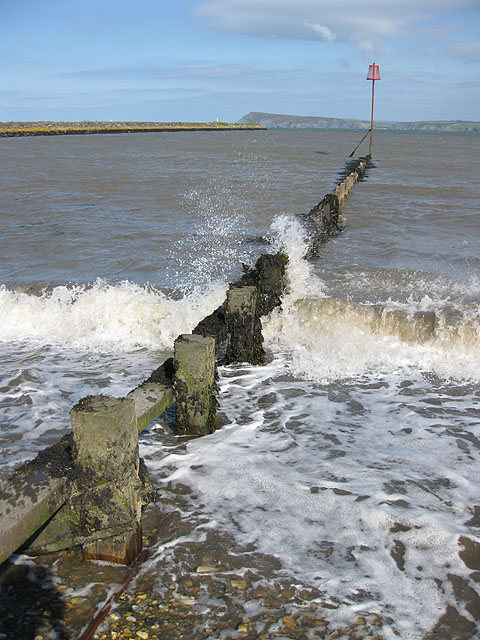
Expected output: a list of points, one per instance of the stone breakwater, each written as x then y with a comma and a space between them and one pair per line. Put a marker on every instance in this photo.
22, 129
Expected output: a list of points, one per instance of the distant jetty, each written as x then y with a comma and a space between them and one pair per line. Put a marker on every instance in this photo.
20, 129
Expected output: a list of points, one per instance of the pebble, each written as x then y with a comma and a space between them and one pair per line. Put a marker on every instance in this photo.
203, 568
239, 584
289, 622
143, 635
187, 599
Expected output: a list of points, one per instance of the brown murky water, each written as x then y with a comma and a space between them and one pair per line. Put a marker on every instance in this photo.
340, 494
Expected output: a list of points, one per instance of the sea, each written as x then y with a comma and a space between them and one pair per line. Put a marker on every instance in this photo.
351, 458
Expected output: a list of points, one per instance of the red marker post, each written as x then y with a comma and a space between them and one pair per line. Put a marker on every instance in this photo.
373, 74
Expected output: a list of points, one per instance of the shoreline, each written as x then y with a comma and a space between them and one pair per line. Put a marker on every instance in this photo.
23, 129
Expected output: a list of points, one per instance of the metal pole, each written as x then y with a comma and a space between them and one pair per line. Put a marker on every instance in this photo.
371, 125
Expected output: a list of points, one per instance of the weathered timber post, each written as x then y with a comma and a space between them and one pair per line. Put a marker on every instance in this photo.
103, 513
105, 446
340, 192
244, 326
194, 388
269, 278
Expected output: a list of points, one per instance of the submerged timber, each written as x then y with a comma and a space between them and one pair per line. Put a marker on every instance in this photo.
20, 129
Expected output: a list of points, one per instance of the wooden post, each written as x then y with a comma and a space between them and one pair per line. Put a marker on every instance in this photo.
244, 326
105, 439
340, 191
41, 494
194, 387
106, 505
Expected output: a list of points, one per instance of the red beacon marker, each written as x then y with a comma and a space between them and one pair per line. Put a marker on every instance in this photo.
373, 74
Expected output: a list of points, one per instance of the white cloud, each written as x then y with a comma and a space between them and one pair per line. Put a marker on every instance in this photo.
366, 24
324, 31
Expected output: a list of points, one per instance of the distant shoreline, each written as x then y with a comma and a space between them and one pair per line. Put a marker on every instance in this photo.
283, 121
23, 129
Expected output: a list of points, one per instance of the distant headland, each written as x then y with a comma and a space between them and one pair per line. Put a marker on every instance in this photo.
278, 121
20, 129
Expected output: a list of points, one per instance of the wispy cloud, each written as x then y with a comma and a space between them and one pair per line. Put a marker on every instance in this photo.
365, 24
155, 73
325, 32
467, 51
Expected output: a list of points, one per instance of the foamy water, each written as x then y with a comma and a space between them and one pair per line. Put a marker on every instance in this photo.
332, 482
358, 470
352, 456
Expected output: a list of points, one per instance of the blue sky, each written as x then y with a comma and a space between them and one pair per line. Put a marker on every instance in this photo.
196, 60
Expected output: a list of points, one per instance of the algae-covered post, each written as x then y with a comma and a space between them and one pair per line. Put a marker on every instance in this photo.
105, 439
194, 386
103, 513
244, 326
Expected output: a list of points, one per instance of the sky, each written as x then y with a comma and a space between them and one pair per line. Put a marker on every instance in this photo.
199, 60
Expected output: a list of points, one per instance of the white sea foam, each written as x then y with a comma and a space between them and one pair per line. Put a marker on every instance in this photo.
103, 316
361, 486
73, 341
334, 481
289, 236
329, 338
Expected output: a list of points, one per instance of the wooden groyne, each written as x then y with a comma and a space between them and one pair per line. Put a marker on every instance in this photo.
324, 220
89, 489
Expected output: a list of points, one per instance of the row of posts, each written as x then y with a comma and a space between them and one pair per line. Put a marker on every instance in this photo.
109, 483
343, 189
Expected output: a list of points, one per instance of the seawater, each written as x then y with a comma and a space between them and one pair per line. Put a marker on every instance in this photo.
352, 456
